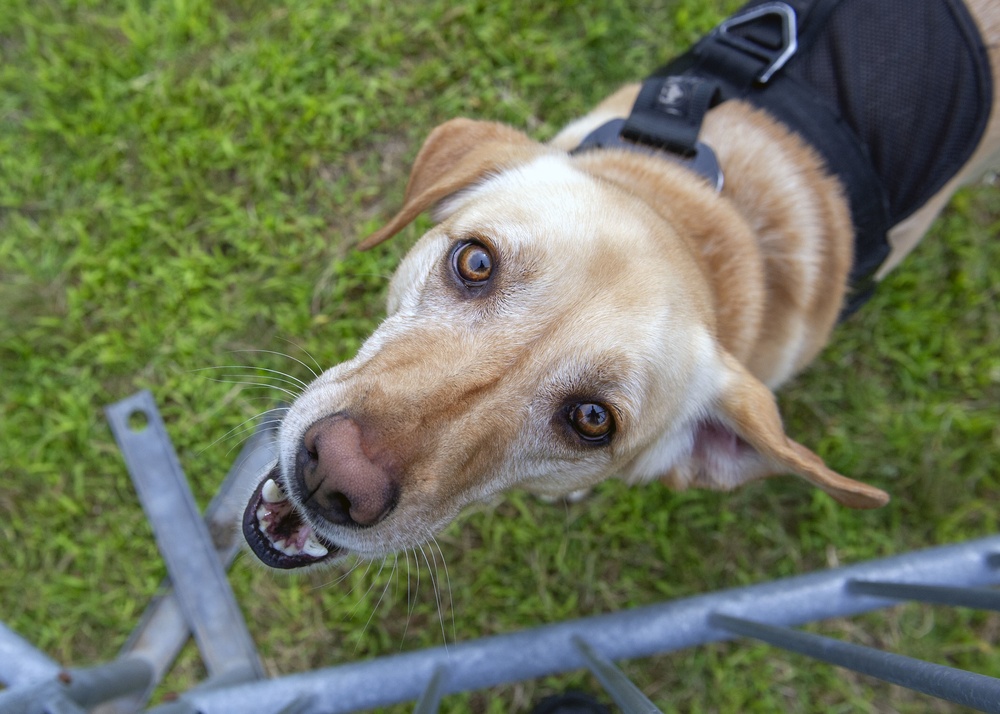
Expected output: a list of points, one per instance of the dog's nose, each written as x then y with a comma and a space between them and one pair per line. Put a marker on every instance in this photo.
338, 481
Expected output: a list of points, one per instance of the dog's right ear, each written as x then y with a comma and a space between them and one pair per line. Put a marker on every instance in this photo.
455, 155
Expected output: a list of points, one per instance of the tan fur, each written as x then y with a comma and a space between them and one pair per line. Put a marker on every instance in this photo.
619, 278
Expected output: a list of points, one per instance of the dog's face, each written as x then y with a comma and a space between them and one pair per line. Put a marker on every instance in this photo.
551, 331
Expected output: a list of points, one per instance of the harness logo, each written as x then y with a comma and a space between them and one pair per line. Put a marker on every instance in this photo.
673, 97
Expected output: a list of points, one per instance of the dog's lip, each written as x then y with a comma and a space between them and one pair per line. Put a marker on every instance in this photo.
277, 533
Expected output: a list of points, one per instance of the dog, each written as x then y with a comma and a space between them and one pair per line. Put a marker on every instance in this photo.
608, 305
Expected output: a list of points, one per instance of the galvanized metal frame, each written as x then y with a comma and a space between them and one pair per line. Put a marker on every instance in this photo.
957, 575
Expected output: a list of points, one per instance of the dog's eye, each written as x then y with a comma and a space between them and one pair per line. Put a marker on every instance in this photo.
473, 264
592, 421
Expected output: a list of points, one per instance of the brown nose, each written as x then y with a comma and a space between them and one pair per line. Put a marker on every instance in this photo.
337, 479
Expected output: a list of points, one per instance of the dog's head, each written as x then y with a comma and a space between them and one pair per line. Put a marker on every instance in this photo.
550, 331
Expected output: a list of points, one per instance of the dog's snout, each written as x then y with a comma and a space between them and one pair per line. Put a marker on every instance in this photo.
338, 481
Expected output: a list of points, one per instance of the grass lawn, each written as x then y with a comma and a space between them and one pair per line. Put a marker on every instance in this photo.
182, 181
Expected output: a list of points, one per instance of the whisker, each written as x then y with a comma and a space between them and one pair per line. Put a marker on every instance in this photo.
307, 353
243, 427
385, 589
364, 576
248, 431
277, 407
447, 579
311, 371
338, 580
283, 377
410, 603
358, 604
344, 576
262, 385
238, 435
437, 594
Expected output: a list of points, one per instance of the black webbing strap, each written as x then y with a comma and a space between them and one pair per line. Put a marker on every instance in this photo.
669, 111
741, 59
743, 50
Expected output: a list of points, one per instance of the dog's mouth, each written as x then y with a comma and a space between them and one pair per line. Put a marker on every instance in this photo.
277, 533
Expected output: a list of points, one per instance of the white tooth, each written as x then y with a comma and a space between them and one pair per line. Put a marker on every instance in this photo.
262, 516
314, 548
272, 492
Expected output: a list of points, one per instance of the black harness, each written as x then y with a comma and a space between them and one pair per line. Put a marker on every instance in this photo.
893, 94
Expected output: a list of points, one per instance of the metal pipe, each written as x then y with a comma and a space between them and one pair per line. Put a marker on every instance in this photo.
955, 685
430, 700
200, 583
21, 662
626, 695
978, 598
89, 686
63, 706
162, 631
73, 689
640, 632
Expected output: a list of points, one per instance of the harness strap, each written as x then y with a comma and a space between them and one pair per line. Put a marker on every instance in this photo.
742, 58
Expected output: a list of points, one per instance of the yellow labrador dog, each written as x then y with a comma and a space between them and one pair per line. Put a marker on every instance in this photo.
622, 300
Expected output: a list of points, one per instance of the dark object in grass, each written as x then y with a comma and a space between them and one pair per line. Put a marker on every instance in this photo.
570, 703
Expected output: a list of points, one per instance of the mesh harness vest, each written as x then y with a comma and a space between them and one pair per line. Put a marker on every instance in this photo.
894, 95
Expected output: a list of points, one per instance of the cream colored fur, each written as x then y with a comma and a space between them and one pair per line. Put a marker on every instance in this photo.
620, 279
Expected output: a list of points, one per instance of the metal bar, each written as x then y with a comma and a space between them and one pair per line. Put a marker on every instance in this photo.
63, 706
92, 685
626, 695
640, 632
162, 631
955, 685
184, 705
430, 700
978, 598
203, 592
21, 662
71, 689
298, 706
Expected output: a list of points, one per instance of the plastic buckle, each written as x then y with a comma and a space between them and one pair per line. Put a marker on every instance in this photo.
776, 57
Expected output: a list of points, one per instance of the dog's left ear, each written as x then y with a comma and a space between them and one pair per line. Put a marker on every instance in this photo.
455, 155
742, 439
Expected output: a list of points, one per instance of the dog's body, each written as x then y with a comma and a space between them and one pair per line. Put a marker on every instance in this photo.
574, 317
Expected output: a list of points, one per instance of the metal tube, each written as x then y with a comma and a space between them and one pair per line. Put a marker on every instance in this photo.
162, 631
641, 632
90, 686
59, 705
203, 592
21, 662
430, 700
230, 678
978, 598
626, 695
78, 689
955, 685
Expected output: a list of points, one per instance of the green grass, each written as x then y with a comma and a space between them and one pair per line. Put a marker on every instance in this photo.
181, 181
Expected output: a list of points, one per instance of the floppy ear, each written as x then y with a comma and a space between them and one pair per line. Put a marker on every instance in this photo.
741, 439
455, 155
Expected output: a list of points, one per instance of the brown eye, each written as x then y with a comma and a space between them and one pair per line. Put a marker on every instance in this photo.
591, 421
473, 264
